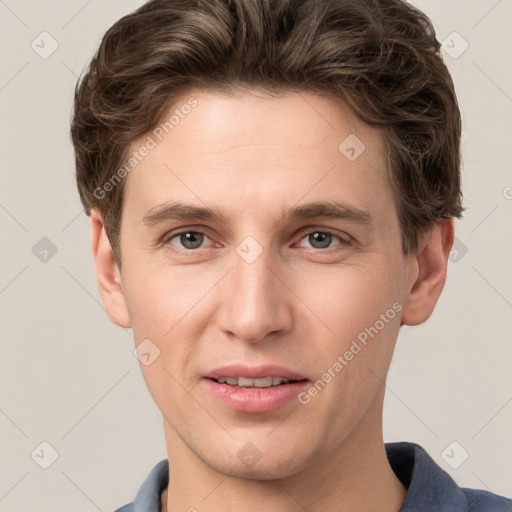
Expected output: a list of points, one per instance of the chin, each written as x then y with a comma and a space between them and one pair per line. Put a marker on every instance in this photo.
268, 462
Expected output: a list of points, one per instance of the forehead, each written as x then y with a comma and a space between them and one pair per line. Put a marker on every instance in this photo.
250, 151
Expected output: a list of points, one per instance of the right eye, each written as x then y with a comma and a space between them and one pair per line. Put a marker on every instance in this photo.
189, 239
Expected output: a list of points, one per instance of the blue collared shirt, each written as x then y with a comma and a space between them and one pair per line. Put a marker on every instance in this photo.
429, 487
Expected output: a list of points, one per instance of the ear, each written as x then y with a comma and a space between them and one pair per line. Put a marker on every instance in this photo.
107, 273
431, 261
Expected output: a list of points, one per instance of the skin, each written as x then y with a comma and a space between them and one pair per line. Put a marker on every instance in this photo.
299, 304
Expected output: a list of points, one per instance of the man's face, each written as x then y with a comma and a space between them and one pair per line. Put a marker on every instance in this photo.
263, 287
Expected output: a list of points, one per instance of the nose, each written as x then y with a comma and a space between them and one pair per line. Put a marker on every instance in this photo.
256, 301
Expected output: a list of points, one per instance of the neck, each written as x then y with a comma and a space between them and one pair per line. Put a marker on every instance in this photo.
353, 475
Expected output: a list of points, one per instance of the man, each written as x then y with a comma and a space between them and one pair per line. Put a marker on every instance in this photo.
272, 187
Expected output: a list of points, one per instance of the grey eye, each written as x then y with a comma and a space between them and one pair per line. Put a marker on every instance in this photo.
322, 239
190, 239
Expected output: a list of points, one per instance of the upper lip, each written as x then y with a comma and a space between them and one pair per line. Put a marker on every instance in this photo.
254, 372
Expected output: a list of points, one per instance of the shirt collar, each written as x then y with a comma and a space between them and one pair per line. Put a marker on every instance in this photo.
429, 487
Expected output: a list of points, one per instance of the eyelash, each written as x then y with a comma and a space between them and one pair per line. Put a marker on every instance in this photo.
167, 239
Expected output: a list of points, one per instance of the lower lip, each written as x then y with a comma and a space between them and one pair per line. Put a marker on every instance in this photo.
255, 400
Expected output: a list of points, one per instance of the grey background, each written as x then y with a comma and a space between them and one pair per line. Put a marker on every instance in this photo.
68, 376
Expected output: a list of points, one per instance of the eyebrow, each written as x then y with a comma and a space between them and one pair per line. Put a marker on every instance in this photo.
331, 209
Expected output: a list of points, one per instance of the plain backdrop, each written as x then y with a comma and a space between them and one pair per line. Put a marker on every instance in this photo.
68, 376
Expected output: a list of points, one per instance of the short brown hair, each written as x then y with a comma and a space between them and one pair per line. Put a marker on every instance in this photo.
381, 56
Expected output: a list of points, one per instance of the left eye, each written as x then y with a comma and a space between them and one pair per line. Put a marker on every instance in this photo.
191, 240
322, 239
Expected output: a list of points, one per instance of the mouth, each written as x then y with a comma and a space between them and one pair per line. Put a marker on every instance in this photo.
261, 382
254, 395
254, 389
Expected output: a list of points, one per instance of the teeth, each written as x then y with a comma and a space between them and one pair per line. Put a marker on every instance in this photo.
264, 382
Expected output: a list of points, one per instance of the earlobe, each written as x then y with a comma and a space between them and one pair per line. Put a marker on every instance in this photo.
431, 261
107, 273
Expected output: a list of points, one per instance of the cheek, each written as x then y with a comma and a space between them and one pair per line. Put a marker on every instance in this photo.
353, 316
348, 299
350, 360
161, 306
171, 307
157, 298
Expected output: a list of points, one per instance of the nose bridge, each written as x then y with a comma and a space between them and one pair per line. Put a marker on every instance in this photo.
254, 304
